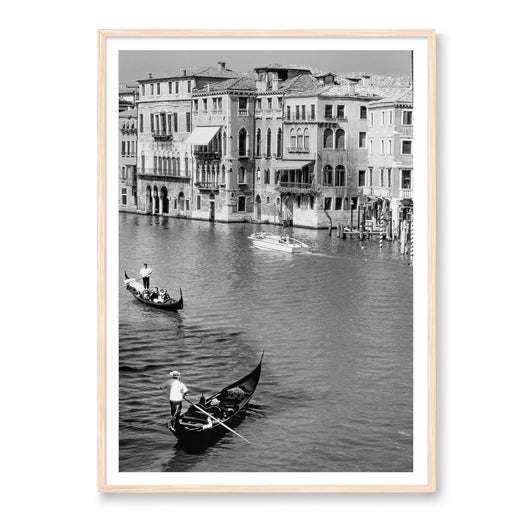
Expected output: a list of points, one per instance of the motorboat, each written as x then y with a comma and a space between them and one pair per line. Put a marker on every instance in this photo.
278, 243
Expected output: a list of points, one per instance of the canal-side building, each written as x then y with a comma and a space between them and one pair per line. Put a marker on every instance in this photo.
165, 164
274, 83
128, 96
388, 185
325, 152
222, 147
283, 144
128, 160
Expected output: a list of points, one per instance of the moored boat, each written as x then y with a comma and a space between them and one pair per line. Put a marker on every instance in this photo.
278, 243
137, 290
197, 429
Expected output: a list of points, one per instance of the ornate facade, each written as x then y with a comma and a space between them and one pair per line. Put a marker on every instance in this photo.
283, 144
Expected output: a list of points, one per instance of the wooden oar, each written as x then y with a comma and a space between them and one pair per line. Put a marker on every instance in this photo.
216, 420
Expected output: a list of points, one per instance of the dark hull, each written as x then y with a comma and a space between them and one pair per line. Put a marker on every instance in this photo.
197, 438
174, 305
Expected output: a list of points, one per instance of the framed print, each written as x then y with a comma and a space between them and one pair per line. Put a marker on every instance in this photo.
266, 260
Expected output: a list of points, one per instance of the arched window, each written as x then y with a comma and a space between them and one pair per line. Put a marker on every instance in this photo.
224, 144
142, 163
340, 139
279, 143
242, 143
258, 143
299, 142
219, 143
339, 177
293, 138
223, 175
267, 176
327, 175
154, 163
268, 143
178, 165
186, 166
306, 138
328, 138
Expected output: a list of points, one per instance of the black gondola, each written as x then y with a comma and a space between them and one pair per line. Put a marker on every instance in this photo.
136, 290
193, 427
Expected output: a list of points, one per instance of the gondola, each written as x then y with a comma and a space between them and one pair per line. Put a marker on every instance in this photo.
136, 289
193, 428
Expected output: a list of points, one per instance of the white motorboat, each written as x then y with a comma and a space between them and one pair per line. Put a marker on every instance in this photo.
278, 243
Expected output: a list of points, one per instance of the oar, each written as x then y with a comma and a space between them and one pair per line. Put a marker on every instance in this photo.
216, 420
135, 280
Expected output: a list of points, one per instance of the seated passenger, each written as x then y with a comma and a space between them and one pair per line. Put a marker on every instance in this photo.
209, 424
166, 296
154, 294
160, 297
146, 294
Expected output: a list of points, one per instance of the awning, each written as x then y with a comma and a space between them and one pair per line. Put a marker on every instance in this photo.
291, 165
202, 135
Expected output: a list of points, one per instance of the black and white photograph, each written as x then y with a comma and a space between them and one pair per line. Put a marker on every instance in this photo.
266, 261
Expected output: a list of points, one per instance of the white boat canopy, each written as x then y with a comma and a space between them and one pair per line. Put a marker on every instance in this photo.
202, 135
291, 165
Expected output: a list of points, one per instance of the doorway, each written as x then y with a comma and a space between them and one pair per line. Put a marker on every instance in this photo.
258, 208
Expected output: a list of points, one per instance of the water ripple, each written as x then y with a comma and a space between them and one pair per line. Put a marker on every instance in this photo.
336, 327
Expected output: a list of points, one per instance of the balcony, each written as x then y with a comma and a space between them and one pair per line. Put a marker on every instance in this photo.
293, 149
243, 112
366, 190
207, 155
301, 188
406, 193
162, 134
381, 192
207, 186
156, 172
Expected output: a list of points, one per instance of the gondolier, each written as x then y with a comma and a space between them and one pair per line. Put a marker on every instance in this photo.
176, 392
145, 273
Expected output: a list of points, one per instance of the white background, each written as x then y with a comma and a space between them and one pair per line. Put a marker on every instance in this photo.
48, 194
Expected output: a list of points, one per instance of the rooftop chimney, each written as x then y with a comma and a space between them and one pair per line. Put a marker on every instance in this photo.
222, 65
149, 74
183, 71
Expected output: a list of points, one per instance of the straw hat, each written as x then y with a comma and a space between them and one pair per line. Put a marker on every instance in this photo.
175, 374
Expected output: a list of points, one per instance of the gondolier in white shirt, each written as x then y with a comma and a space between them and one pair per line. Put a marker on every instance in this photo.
176, 390
145, 273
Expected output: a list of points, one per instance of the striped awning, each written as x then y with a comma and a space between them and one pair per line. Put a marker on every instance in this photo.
202, 135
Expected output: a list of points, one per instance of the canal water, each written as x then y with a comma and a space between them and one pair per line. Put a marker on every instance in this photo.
336, 326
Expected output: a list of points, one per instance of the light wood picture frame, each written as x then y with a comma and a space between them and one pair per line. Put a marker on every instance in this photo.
427, 276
